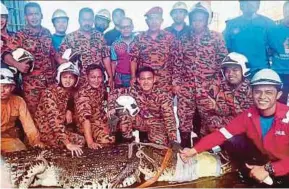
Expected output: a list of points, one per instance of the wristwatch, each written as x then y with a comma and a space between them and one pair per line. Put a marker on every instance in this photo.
269, 168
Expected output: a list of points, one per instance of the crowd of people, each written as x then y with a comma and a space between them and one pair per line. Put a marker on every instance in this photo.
71, 90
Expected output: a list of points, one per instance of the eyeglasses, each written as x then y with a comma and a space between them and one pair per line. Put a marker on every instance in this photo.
125, 27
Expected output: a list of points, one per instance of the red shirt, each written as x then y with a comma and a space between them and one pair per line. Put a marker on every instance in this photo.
275, 143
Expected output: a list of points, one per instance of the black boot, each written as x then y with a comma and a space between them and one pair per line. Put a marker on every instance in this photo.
186, 139
143, 137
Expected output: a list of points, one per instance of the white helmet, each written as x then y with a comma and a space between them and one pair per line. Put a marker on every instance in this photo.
205, 7
67, 67
103, 13
4, 9
234, 58
128, 103
266, 77
179, 5
21, 55
59, 13
7, 77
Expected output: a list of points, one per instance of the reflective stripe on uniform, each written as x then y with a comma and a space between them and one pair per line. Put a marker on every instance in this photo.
226, 133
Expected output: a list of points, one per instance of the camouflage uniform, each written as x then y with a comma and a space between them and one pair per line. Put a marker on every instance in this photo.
92, 49
50, 118
196, 69
156, 116
230, 102
39, 44
89, 105
159, 54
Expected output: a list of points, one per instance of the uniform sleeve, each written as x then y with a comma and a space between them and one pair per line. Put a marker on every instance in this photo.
27, 123
177, 63
281, 167
55, 121
235, 127
135, 51
222, 104
105, 51
82, 107
113, 55
12, 44
221, 50
168, 116
64, 45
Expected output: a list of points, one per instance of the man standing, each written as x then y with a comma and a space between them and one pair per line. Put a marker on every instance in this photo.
155, 119
90, 43
120, 54
155, 48
37, 40
60, 23
248, 34
5, 34
266, 123
279, 43
179, 28
110, 36
197, 68
102, 20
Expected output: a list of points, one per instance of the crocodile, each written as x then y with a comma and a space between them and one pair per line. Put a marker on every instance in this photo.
110, 167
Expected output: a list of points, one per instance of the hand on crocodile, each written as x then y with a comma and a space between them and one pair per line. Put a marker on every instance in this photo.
187, 153
39, 144
93, 145
110, 113
75, 149
68, 116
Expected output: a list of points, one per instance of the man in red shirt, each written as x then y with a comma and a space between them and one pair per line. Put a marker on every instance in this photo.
266, 124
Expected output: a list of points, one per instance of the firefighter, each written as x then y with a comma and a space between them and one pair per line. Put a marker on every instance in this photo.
196, 68
13, 107
102, 20
60, 23
90, 109
155, 119
266, 123
50, 116
179, 13
229, 99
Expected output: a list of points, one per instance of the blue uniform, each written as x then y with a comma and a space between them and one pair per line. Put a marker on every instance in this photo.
249, 37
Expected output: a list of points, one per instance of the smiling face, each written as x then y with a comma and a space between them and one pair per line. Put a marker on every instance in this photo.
146, 80
265, 98
154, 22
86, 21
60, 25
233, 74
4, 19
68, 79
199, 21
95, 78
179, 15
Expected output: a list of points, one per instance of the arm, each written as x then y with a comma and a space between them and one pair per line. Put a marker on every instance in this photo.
113, 57
177, 63
235, 127
105, 53
168, 116
134, 57
28, 124
221, 50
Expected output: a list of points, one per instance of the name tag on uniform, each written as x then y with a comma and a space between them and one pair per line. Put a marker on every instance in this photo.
280, 133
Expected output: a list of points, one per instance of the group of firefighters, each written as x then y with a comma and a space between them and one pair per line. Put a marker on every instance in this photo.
236, 83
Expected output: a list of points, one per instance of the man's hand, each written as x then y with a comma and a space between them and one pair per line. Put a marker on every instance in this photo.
39, 144
111, 83
110, 113
75, 149
209, 103
187, 153
68, 116
132, 81
93, 145
23, 67
257, 172
176, 89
